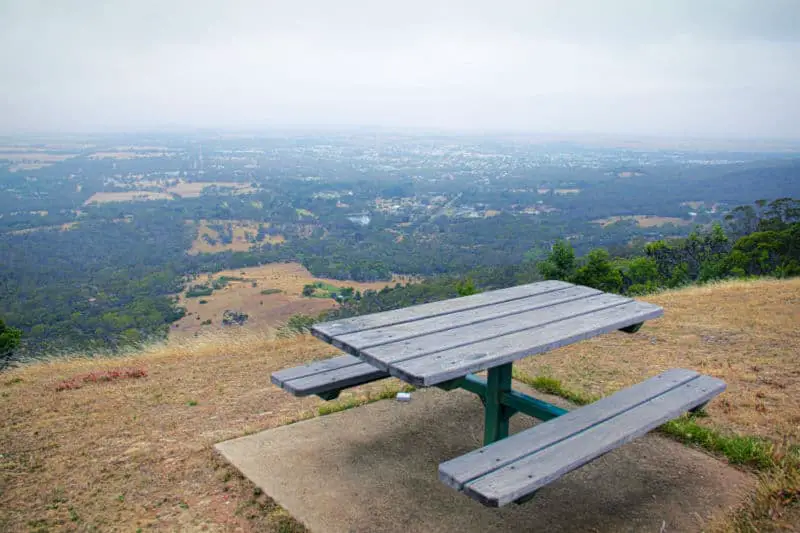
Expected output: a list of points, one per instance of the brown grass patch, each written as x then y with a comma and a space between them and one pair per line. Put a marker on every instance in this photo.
644, 221
126, 196
27, 166
694, 205
61, 227
239, 243
34, 156
195, 188
130, 155
264, 310
745, 333
137, 453
491, 213
629, 174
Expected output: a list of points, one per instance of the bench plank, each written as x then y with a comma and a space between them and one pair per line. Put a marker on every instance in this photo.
439, 366
459, 471
521, 478
314, 367
326, 375
326, 331
472, 317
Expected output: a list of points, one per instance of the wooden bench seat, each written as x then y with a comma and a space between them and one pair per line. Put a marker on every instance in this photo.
514, 468
327, 377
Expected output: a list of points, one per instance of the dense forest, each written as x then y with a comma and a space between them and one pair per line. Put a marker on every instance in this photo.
761, 240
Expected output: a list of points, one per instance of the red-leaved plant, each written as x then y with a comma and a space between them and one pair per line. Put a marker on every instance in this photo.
76, 382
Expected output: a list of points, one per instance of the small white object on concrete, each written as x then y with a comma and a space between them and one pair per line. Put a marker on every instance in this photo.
403, 396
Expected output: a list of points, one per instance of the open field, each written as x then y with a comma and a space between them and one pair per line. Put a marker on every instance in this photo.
644, 221
31, 159
34, 156
137, 452
126, 196
264, 310
239, 243
195, 189
566, 191
63, 227
131, 154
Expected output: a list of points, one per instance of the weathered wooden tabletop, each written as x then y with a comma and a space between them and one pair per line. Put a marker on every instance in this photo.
433, 343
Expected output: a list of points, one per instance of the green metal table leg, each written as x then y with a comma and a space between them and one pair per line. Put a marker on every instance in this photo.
496, 415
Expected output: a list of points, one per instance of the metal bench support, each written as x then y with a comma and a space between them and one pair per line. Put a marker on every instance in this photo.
500, 402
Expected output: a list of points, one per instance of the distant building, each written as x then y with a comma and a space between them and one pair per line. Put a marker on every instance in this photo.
362, 219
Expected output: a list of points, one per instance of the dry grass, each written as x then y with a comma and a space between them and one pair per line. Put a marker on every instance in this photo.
131, 155
745, 333
644, 221
27, 166
264, 311
195, 188
62, 227
629, 174
239, 243
126, 196
137, 453
694, 205
33, 156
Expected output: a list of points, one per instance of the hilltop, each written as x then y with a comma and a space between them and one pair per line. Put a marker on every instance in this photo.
126, 443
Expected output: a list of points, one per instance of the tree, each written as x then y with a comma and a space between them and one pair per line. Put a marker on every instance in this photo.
231, 317
643, 275
560, 264
598, 272
9, 341
466, 287
308, 290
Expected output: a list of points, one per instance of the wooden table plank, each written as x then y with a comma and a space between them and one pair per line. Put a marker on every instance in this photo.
314, 367
475, 357
523, 477
472, 317
386, 355
468, 467
328, 330
339, 378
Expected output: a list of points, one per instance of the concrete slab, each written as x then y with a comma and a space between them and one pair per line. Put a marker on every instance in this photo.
374, 469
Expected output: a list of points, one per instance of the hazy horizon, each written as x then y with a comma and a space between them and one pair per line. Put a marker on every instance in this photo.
710, 69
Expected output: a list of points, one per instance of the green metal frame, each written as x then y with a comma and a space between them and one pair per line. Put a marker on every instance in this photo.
501, 402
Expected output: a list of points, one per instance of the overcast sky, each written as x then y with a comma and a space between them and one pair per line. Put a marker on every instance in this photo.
700, 68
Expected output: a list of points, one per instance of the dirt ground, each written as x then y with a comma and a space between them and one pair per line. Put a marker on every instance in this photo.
137, 452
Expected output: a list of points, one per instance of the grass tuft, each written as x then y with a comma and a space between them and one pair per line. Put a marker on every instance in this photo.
549, 385
779, 485
389, 390
737, 449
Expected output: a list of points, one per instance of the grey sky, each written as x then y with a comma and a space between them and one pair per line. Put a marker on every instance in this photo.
707, 68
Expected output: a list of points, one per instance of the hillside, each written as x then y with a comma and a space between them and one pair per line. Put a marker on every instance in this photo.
82, 446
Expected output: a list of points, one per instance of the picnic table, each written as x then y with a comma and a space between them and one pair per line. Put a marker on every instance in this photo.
445, 343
